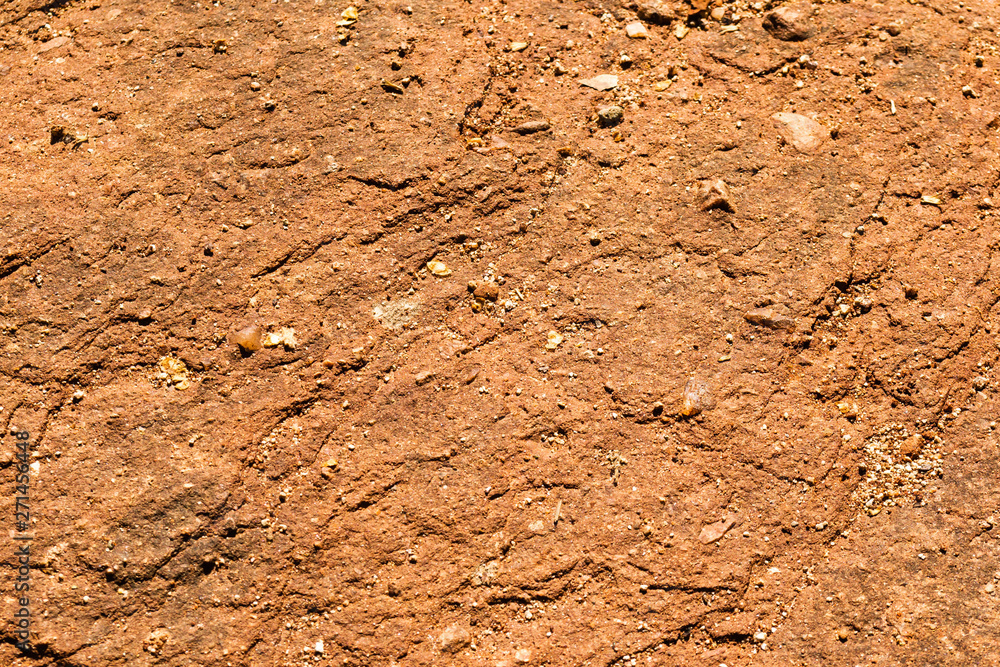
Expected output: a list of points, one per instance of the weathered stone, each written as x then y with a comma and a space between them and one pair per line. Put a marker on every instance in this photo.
770, 318
601, 82
532, 126
636, 30
912, 446
696, 398
733, 627
471, 374
54, 43
249, 339
789, 24
487, 291
656, 12
713, 532
610, 116
714, 194
485, 573
454, 638
802, 132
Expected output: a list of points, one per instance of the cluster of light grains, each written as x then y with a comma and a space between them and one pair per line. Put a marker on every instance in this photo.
898, 467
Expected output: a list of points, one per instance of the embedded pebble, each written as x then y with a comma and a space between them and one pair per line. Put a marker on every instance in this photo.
532, 126
348, 16
176, 372
488, 291
713, 532
471, 374
601, 82
454, 639
696, 398
656, 12
391, 87
636, 30
610, 116
849, 409
803, 133
912, 446
715, 194
789, 24
248, 339
438, 268
285, 337
770, 318
54, 43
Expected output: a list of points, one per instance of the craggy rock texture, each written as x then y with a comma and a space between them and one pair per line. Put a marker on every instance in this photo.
518, 394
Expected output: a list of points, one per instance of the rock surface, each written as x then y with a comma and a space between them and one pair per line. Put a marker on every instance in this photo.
395, 465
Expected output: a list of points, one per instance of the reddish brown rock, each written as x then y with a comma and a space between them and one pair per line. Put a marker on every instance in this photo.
405, 476
770, 318
789, 24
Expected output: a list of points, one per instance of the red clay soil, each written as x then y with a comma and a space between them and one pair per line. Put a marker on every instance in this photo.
697, 369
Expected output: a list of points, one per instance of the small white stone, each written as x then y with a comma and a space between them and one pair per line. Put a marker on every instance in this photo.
636, 30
